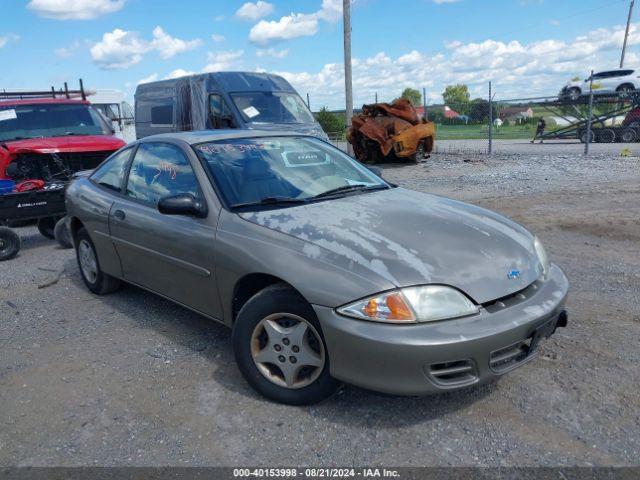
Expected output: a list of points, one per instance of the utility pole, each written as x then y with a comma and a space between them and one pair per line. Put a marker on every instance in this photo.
308, 102
424, 103
348, 87
626, 34
588, 138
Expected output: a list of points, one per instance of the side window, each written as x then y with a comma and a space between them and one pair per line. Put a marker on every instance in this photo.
162, 114
111, 173
218, 112
160, 170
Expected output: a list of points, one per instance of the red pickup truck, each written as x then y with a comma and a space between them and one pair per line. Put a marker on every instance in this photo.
43, 142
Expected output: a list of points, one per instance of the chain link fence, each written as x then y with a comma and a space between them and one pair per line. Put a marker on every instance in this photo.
518, 125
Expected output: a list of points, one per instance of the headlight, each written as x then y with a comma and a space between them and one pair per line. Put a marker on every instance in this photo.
542, 256
411, 305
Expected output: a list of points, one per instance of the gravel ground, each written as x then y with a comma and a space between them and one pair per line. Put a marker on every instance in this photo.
131, 379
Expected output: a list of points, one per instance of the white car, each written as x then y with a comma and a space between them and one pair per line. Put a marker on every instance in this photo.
621, 81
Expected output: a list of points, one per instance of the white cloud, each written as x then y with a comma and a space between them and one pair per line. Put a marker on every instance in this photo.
217, 38
295, 25
122, 49
254, 11
517, 69
272, 52
218, 61
330, 11
71, 50
288, 27
179, 72
74, 9
169, 46
151, 78
10, 37
119, 49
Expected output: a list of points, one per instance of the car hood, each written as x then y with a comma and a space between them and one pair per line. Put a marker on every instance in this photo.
411, 238
307, 128
68, 143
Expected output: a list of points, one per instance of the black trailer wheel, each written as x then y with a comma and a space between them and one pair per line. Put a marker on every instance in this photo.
628, 135
9, 243
606, 136
584, 137
47, 225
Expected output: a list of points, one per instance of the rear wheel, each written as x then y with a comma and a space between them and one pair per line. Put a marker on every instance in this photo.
9, 243
587, 136
94, 278
624, 91
606, 136
280, 349
61, 233
628, 135
47, 225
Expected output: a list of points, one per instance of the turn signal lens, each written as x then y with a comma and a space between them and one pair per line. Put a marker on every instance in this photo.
387, 307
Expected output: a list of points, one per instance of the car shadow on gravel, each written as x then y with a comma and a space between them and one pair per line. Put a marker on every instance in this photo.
187, 331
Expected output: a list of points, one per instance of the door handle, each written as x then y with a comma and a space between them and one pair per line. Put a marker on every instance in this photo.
119, 214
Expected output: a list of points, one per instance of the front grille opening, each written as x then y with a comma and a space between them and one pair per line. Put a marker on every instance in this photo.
453, 373
510, 357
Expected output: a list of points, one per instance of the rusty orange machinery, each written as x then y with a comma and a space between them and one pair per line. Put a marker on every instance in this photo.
386, 131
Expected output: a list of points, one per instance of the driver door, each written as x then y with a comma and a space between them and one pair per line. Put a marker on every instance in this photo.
172, 255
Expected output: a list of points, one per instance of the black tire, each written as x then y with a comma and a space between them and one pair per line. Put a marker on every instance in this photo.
47, 225
628, 135
61, 233
584, 137
279, 299
9, 243
101, 283
624, 91
606, 136
420, 153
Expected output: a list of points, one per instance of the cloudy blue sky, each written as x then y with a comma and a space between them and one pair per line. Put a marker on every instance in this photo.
527, 47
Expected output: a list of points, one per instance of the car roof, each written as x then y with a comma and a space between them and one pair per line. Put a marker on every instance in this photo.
41, 101
213, 135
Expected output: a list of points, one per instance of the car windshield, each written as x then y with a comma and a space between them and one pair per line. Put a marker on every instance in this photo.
272, 107
48, 120
283, 171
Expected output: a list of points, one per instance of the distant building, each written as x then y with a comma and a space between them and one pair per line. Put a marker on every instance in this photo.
446, 111
516, 114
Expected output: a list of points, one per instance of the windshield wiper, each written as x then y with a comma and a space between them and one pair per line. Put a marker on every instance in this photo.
272, 201
350, 188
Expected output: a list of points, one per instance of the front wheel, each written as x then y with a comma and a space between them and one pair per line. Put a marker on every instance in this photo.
280, 349
574, 94
94, 278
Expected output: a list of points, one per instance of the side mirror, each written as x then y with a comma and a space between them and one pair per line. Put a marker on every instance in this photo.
376, 170
185, 204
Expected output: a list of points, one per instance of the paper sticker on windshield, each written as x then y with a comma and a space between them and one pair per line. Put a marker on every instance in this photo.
251, 111
7, 115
